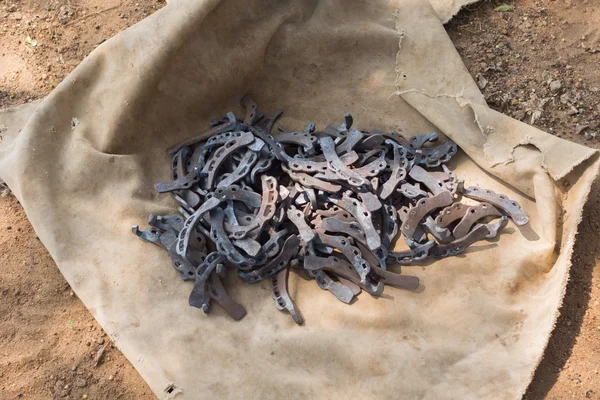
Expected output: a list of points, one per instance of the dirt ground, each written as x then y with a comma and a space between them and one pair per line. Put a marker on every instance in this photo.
539, 63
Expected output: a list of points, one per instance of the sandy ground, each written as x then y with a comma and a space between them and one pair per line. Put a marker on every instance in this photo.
539, 63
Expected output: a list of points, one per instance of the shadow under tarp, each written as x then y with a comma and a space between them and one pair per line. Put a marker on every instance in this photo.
84, 165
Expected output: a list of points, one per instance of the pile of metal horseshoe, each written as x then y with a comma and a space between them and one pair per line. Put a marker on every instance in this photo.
331, 204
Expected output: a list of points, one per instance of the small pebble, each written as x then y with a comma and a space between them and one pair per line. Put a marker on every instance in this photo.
100, 341
555, 86
482, 82
80, 382
110, 377
590, 135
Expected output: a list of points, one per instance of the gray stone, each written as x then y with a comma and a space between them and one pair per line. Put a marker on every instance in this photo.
555, 86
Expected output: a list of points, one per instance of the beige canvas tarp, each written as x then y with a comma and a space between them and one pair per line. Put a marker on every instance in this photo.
446, 9
84, 165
